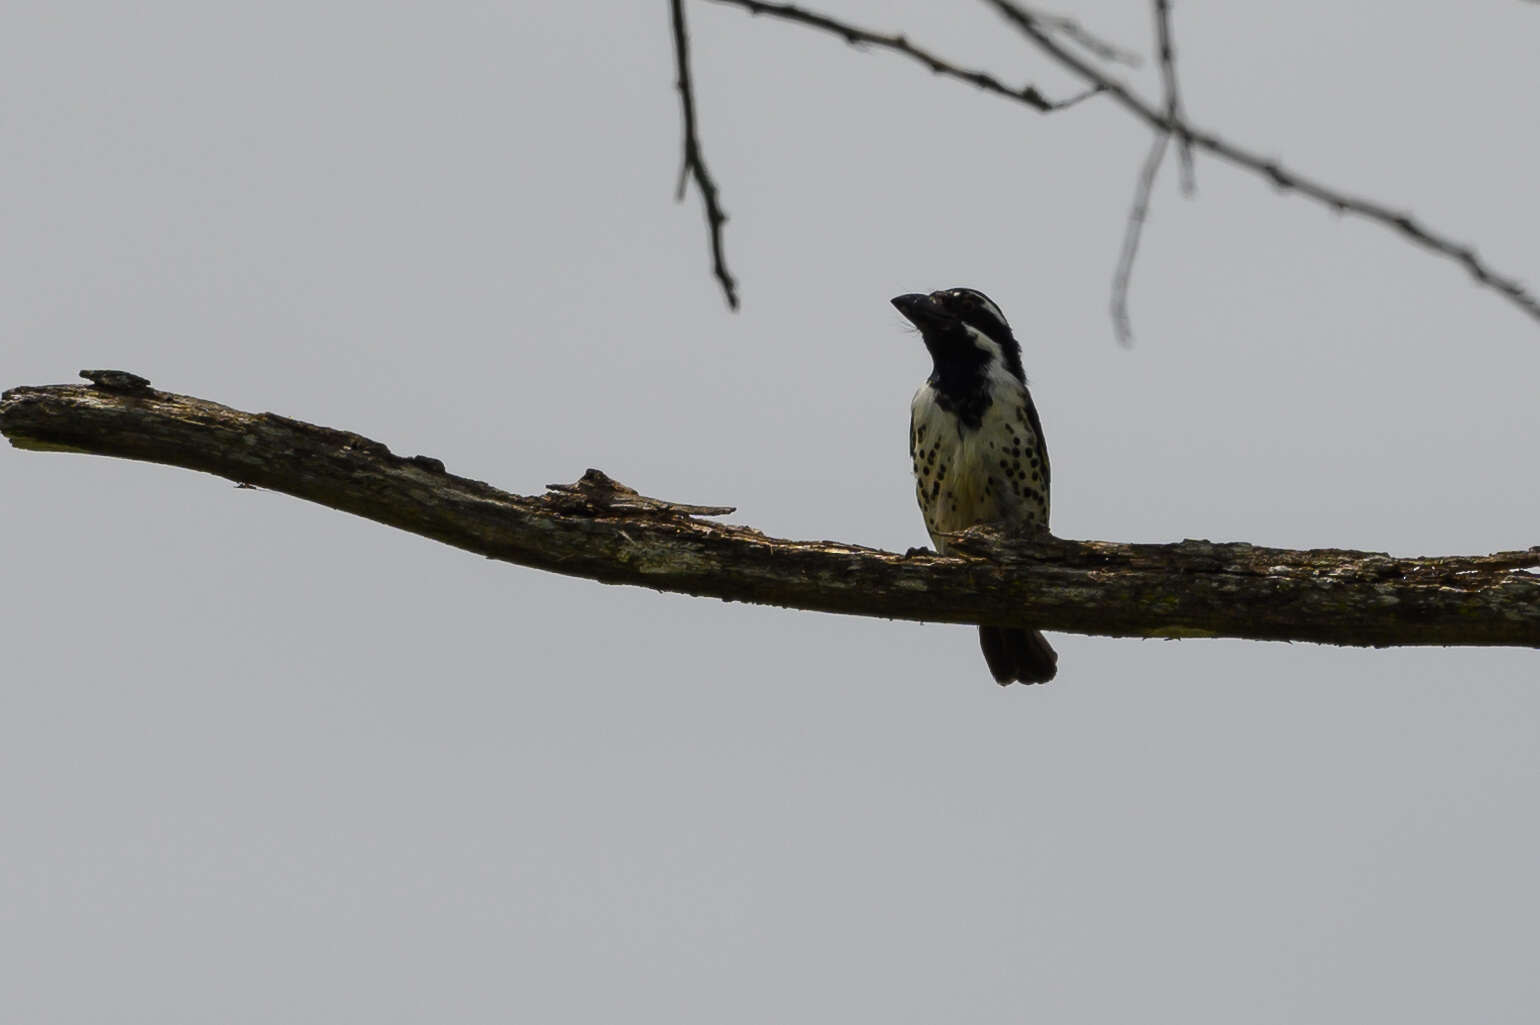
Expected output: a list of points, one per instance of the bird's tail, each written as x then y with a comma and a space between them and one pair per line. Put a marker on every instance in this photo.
1018, 655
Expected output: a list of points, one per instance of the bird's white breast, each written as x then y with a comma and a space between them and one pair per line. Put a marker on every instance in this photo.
991, 474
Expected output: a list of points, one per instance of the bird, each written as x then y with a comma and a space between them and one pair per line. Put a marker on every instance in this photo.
977, 446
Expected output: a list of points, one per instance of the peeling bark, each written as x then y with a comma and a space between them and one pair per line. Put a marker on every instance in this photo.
601, 530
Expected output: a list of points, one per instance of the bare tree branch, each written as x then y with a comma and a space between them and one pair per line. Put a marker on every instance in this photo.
601, 530
1122, 324
1272, 170
694, 163
857, 36
1039, 28
1173, 98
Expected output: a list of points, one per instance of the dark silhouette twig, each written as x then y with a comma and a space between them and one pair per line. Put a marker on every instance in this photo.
1174, 112
694, 164
856, 36
1272, 170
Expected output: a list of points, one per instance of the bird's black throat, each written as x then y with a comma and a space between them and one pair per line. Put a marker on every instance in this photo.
961, 375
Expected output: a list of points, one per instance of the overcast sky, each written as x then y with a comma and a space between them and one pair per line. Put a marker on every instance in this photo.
264, 762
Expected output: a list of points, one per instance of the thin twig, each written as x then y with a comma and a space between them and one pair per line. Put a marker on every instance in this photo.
1274, 171
1121, 322
856, 36
1073, 30
1174, 112
694, 164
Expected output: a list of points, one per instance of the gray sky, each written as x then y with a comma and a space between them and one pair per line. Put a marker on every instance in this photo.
260, 761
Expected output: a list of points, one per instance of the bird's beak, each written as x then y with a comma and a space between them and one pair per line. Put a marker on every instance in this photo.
921, 310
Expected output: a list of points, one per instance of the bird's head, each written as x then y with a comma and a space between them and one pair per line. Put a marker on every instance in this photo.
963, 330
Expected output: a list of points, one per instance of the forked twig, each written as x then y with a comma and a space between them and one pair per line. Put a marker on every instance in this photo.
1401, 223
898, 43
1174, 112
1039, 29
